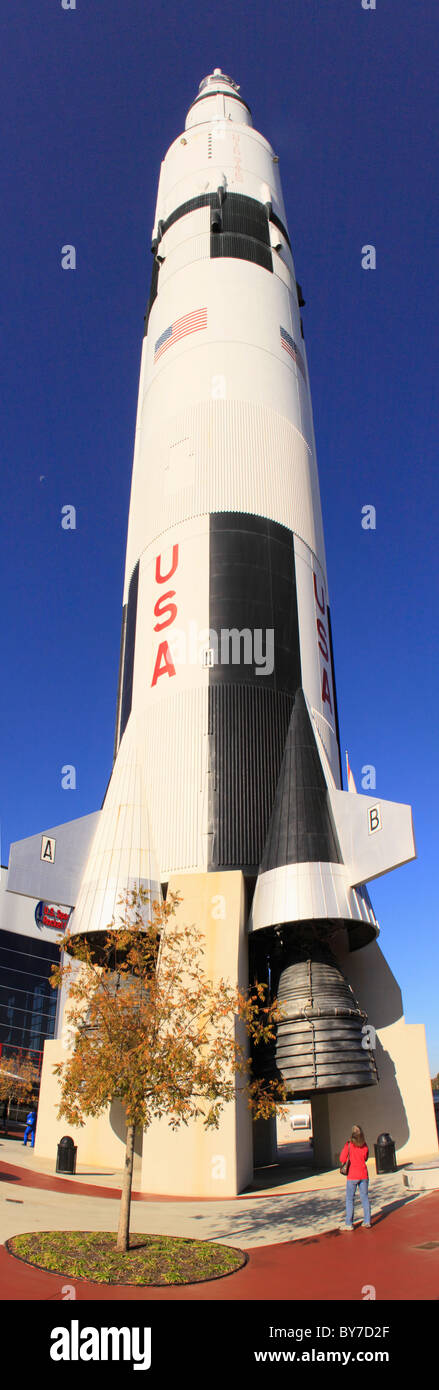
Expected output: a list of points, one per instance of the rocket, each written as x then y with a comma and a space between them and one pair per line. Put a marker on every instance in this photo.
227, 748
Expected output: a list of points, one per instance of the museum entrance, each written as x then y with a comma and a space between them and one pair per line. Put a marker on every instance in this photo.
283, 1148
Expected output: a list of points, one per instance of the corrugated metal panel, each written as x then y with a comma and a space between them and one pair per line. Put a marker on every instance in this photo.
241, 248
282, 271
176, 771
122, 852
245, 216
249, 728
192, 217
191, 224
252, 602
247, 458
195, 248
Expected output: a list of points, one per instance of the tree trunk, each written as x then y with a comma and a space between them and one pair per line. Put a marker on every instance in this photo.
123, 1233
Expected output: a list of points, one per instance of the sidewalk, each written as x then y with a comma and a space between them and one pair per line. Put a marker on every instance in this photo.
296, 1250
290, 1177
389, 1262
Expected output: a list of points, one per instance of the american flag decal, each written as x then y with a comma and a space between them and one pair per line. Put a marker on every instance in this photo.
291, 347
190, 323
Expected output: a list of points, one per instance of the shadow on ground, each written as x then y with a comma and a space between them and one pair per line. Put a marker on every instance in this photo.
294, 1216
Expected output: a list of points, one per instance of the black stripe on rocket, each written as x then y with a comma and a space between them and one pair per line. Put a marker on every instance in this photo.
268, 799
252, 588
240, 228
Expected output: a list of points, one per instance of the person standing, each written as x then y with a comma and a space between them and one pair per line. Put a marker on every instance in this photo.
31, 1124
356, 1152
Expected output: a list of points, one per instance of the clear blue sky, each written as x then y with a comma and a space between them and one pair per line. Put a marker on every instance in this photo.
92, 98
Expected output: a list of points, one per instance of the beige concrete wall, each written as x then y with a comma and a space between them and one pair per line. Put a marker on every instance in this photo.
99, 1141
402, 1102
190, 1161
193, 1161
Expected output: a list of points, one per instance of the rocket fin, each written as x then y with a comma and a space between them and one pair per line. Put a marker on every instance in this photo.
301, 828
323, 844
57, 879
122, 856
375, 835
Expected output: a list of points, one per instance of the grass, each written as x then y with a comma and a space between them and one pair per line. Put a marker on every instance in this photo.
155, 1260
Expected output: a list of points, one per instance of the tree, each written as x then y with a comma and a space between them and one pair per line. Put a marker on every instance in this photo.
152, 1031
435, 1082
18, 1079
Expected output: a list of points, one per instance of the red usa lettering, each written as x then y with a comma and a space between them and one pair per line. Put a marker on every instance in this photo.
323, 642
166, 610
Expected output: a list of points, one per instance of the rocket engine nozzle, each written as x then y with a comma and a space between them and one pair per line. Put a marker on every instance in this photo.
320, 1042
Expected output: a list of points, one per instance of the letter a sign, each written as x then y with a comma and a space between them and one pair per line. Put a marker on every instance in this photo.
47, 849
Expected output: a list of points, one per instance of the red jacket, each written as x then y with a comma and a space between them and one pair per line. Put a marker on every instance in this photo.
358, 1155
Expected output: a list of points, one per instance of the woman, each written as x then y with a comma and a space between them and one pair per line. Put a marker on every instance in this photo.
357, 1152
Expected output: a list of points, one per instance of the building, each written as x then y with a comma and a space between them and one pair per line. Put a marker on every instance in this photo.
28, 950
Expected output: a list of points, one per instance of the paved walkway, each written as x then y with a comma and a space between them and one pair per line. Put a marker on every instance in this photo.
296, 1250
289, 1176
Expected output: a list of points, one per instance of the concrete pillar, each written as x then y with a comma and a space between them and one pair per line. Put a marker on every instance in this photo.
192, 1161
321, 1131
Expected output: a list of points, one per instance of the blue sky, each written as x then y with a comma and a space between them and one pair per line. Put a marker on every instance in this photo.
92, 98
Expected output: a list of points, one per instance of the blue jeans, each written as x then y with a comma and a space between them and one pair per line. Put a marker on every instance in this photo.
351, 1186
28, 1131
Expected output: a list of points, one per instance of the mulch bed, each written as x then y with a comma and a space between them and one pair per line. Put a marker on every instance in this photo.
151, 1260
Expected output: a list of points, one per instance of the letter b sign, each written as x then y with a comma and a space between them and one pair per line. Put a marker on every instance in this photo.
374, 818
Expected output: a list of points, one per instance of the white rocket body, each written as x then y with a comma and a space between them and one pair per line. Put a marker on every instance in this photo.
224, 425
226, 613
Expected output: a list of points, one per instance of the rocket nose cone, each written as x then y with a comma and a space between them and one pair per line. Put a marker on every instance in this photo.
228, 102
218, 81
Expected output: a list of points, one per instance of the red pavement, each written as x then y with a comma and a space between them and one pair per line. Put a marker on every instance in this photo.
31, 1178
335, 1266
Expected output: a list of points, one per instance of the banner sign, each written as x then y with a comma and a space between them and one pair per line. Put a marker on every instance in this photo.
50, 915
